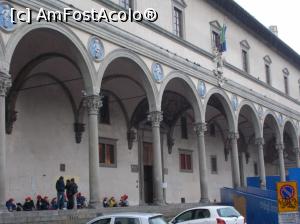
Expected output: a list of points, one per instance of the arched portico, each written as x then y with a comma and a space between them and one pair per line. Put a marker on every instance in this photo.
291, 143
37, 69
192, 108
273, 139
218, 106
249, 126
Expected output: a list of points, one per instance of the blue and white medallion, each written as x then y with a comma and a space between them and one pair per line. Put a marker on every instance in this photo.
96, 49
201, 88
5, 17
234, 102
157, 72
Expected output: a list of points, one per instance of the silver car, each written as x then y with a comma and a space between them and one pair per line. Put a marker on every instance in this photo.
129, 218
209, 215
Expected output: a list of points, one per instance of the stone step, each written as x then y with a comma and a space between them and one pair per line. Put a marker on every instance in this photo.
83, 215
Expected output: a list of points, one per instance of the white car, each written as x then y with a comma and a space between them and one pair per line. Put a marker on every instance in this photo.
129, 218
209, 215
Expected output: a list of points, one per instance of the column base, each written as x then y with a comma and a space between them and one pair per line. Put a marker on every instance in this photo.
204, 200
159, 203
95, 205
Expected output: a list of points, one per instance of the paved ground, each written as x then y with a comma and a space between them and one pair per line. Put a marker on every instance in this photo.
84, 215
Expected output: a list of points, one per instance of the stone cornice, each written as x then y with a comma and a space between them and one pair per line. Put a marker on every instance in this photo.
145, 48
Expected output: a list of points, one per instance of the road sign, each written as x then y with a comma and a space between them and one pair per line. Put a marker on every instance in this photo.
287, 197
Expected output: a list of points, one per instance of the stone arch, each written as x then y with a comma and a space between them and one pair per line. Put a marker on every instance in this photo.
193, 95
149, 85
87, 68
254, 117
225, 101
269, 113
291, 129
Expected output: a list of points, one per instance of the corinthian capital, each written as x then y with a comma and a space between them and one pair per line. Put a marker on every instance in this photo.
155, 117
5, 83
279, 147
93, 104
200, 128
296, 151
233, 136
259, 141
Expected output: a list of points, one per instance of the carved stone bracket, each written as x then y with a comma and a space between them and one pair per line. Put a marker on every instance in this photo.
170, 142
11, 118
78, 129
131, 137
155, 117
200, 128
93, 104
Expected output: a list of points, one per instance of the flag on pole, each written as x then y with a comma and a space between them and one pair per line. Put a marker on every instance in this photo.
222, 46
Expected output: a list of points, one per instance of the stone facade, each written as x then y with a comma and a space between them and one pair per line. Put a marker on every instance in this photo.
57, 83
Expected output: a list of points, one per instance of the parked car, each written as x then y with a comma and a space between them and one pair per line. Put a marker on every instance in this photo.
209, 215
129, 218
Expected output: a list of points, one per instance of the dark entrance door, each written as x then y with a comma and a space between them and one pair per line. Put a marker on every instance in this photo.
148, 172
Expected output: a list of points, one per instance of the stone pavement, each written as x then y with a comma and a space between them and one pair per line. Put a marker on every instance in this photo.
83, 215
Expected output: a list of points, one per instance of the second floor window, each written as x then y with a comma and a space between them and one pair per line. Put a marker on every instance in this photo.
104, 117
126, 4
215, 39
245, 61
286, 84
268, 74
178, 22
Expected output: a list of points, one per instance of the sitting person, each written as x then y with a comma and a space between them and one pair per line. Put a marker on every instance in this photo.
45, 203
28, 204
10, 205
124, 201
38, 202
80, 200
112, 202
54, 204
19, 207
105, 202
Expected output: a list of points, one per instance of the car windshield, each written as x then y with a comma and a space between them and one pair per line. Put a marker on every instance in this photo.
228, 212
157, 220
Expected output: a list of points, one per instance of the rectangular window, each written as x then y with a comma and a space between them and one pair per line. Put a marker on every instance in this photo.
107, 152
214, 164
255, 169
104, 117
245, 61
286, 85
268, 74
215, 39
178, 22
184, 129
126, 4
185, 161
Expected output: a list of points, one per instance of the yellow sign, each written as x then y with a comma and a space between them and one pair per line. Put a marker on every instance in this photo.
287, 197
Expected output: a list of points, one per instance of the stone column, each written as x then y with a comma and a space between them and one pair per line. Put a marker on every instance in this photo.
297, 153
242, 169
156, 117
200, 129
233, 137
5, 83
262, 170
280, 149
93, 104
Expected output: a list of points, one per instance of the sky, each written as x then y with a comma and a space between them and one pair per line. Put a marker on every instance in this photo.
283, 13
